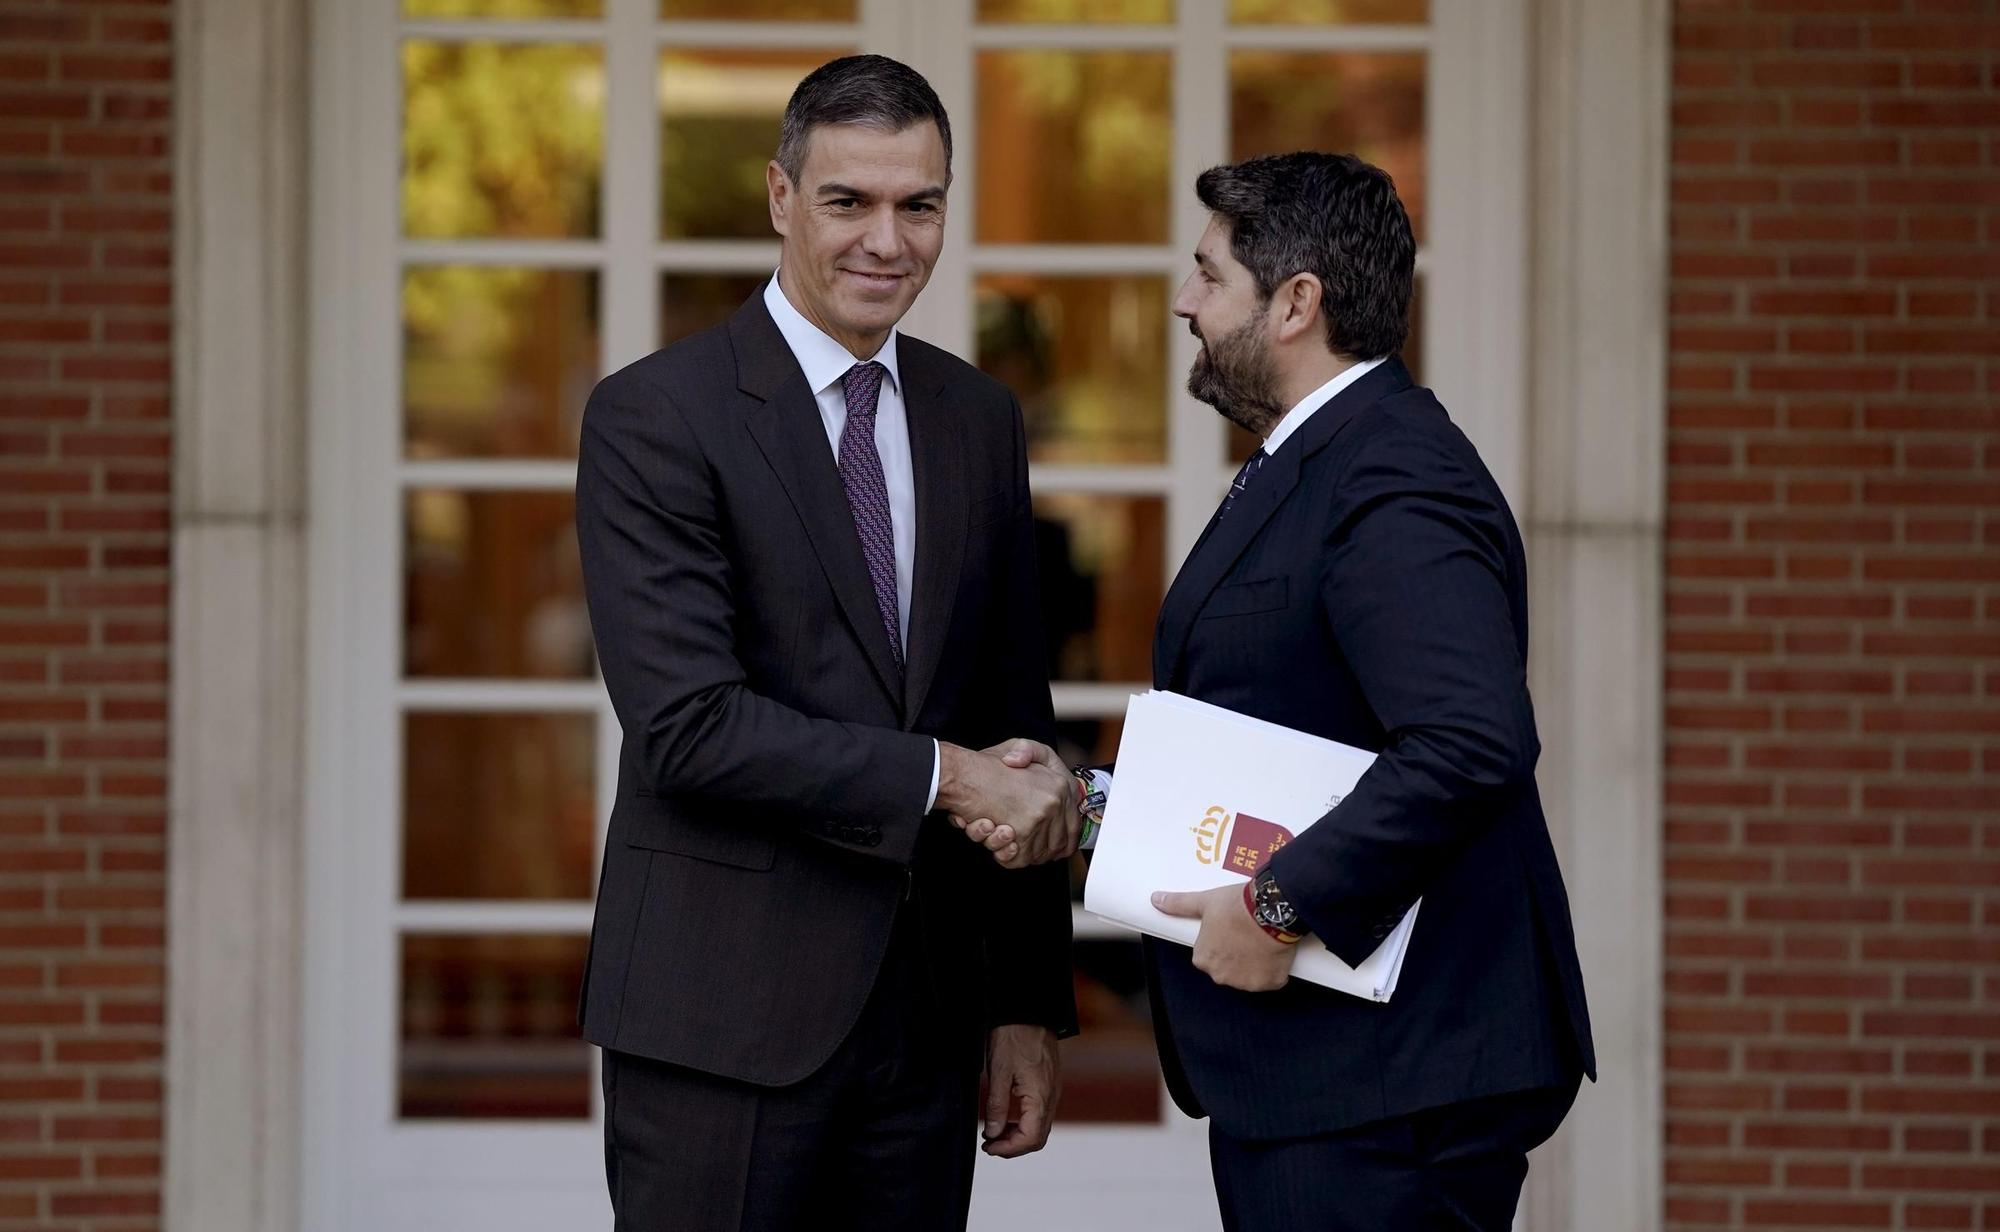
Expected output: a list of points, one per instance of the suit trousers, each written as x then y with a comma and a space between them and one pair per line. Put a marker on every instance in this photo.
1454, 1168
883, 1136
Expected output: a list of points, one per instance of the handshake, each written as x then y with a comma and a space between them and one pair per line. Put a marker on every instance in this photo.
1016, 799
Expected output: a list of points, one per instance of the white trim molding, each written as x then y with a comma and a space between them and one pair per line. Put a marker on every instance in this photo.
1594, 512
233, 1108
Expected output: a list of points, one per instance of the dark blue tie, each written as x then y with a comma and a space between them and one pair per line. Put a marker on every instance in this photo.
1242, 481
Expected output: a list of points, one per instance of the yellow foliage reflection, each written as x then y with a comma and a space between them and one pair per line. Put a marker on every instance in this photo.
503, 8
502, 139
1329, 12
1107, 12
1074, 146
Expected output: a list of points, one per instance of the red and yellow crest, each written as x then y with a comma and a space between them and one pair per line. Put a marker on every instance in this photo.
1242, 844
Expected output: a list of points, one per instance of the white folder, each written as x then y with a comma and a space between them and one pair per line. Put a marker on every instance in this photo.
1200, 798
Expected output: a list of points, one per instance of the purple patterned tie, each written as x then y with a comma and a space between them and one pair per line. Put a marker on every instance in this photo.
868, 494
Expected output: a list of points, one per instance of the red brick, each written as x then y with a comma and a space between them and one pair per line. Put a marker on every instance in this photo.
1767, 1212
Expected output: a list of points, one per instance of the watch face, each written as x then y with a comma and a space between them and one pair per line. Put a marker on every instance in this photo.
1272, 908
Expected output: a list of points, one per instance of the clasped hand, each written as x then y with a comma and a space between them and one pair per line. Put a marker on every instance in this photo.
1016, 799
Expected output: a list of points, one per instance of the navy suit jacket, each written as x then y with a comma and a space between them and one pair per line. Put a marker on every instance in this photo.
1369, 586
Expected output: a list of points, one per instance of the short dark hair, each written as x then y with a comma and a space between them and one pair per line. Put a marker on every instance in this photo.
871, 90
1332, 216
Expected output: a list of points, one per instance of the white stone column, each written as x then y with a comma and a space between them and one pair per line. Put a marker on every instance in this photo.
232, 1082
1595, 497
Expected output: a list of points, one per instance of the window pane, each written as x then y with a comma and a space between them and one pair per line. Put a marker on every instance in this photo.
503, 8
691, 302
758, 10
1074, 146
501, 139
1242, 444
1360, 102
1101, 565
492, 586
1122, 12
1087, 356
1111, 1070
497, 362
498, 805
1329, 12
489, 1027
719, 113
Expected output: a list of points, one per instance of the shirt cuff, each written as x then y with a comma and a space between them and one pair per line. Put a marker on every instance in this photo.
937, 769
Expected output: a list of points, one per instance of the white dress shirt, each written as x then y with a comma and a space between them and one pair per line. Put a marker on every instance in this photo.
1303, 410
825, 362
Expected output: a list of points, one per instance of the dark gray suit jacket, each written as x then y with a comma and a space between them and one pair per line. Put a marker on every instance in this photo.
1369, 586
770, 824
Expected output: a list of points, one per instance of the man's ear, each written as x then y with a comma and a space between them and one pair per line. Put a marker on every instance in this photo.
1299, 302
783, 197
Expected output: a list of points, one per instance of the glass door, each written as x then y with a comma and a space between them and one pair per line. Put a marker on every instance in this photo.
519, 196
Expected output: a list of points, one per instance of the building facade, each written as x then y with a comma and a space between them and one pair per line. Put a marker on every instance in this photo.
301, 744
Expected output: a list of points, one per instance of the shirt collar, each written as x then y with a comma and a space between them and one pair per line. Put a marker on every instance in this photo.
1305, 407
823, 360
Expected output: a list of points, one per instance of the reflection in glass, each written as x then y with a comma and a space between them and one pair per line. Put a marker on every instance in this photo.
498, 805
758, 10
719, 113
1111, 1070
1360, 102
692, 302
1074, 146
1086, 356
502, 139
503, 8
492, 586
1242, 444
1108, 12
497, 361
1329, 12
489, 1027
1101, 572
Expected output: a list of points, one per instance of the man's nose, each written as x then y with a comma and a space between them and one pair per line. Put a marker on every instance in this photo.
882, 240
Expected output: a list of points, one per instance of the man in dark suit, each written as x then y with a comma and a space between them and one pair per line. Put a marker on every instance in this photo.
1363, 581
808, 554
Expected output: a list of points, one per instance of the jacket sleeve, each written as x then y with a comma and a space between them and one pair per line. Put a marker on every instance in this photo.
1414, 593
1028, 937
657, 580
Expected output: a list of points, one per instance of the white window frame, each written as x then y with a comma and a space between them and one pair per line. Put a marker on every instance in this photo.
354, 200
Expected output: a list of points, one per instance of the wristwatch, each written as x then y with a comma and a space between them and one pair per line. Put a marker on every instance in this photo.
1268, 906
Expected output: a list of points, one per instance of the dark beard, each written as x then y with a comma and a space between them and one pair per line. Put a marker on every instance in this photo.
1236, 375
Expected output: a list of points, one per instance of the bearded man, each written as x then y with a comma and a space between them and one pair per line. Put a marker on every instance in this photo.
1363, 580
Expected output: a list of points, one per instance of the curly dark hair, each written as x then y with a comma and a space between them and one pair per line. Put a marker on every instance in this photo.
1332, 216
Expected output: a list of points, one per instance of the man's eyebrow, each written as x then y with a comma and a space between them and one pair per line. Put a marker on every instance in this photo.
848, 190
1201, 258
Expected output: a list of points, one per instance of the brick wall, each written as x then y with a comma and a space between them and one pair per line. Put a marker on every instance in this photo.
85, 239
1833, 625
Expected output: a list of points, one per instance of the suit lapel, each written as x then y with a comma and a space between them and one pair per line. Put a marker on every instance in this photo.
938, 460
789, 431
1217, 551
